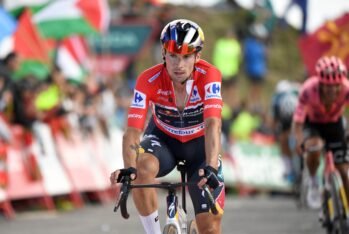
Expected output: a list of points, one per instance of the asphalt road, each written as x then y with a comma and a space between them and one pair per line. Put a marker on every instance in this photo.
260, 214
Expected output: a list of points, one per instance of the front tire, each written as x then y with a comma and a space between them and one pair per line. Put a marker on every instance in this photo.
170, 229
339, 222
192, 228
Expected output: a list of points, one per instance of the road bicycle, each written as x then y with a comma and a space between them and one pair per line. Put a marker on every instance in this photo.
335, 206
176, 214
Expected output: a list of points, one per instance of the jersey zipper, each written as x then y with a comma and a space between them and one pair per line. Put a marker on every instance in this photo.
180, 113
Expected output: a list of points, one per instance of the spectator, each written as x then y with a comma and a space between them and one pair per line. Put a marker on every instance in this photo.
24, 93
244, 124
123, 99
255, 63
227, 58
8, 66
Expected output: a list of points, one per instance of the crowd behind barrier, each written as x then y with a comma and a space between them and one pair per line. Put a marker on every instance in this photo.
40, 165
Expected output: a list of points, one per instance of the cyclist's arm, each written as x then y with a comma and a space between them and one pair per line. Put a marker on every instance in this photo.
130, 143
212, 140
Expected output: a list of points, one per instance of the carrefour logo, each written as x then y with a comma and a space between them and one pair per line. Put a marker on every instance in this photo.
195, 97
138, 100
213, 90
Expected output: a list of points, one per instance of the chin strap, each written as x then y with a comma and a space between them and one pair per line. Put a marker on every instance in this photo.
184, 81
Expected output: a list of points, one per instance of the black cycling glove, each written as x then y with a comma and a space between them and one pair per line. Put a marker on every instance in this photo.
126, 172
211, 176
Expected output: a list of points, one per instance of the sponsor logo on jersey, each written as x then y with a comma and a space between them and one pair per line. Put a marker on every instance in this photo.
139, 99
202, 71
213, 90
151, 79
135, 116
195, 96
182, 132
216, 106
164, 92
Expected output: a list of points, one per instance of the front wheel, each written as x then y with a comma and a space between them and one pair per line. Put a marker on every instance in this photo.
192, 228
170, 229
339, 220
327, 209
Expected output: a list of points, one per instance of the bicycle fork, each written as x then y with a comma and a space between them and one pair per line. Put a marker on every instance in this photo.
175, 214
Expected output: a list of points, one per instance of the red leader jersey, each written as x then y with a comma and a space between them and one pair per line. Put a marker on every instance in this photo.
154, 89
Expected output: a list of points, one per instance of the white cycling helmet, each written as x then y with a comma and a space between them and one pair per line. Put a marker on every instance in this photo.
287, 105
182, 37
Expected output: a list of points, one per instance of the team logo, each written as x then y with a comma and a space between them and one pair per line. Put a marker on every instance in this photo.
195, 97
138, 100
213, 90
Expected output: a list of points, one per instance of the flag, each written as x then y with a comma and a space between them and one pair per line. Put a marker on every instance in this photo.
16, 7
78, 48
30, 46
303, 5
7, 24
60, 19
28, 42
332, 38
72, 58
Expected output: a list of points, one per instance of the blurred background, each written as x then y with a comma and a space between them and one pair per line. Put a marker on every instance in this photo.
68, 69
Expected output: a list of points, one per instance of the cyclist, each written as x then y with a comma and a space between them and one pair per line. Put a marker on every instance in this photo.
318, 120
283, 104
184, 95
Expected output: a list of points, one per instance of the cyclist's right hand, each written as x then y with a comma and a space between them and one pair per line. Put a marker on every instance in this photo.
119, 175
209, 176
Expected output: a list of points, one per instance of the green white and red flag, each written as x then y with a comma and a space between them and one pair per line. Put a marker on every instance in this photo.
72, 58
63, 18
30, 46
16, 7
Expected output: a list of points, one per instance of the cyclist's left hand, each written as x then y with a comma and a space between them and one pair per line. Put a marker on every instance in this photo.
208, 176
118, 175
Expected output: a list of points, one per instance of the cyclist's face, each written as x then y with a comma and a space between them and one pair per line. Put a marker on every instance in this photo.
330, 92
179, 66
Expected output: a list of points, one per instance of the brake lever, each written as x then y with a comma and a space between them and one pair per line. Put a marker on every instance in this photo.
117, 203
122, 200
210, 199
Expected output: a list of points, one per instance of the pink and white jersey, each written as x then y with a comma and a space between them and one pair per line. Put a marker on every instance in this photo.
310, 106
154, 89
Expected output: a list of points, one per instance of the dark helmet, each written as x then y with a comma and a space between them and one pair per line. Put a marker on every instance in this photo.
182, 37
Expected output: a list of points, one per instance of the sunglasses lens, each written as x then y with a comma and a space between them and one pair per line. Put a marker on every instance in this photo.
172, 47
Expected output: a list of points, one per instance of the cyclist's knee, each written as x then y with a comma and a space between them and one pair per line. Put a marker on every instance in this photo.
313, 145
210, 228
147, 166
209, 223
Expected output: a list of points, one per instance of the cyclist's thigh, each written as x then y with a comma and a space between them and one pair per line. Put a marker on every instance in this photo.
311, 135
197, 194
334, 136
154, 144
194, 154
